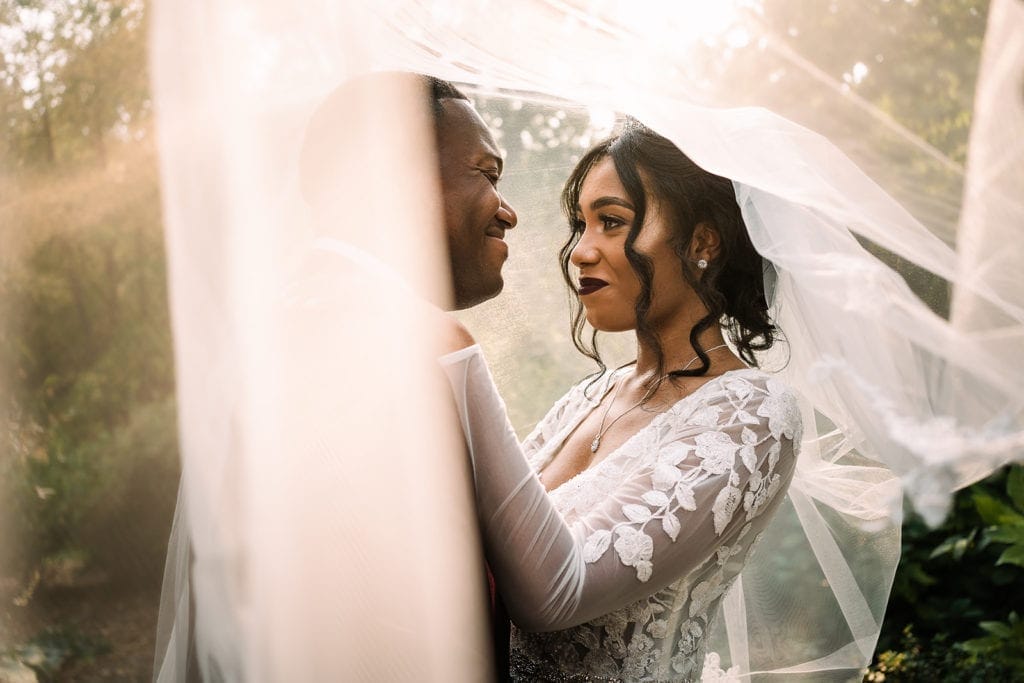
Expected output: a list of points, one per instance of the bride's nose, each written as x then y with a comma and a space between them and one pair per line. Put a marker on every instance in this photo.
585, 253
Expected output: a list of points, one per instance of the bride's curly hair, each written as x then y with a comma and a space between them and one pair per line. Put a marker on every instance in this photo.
732, 286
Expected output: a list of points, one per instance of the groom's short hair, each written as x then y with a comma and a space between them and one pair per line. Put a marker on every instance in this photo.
441, 90
327, 134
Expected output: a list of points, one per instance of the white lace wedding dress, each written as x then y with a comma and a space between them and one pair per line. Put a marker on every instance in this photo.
617, 574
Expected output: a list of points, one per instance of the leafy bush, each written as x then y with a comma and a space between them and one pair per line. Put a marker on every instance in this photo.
92, 464
54, 648
952, 614
126, 529
936, 660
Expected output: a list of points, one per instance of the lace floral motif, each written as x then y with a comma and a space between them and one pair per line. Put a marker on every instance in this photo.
707, 470
713, 671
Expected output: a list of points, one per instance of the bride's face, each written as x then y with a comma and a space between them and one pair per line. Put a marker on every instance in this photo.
608, 285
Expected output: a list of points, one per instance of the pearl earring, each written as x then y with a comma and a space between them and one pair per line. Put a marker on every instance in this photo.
702, 264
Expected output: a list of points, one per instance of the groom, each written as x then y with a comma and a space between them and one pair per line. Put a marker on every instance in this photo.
475, 216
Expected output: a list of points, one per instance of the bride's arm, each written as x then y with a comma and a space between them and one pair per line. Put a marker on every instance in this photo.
655, 523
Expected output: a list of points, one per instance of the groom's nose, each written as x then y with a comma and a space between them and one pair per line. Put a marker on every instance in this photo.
507, 215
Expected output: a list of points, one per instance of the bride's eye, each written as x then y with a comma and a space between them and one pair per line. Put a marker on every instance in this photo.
611, 222
578, 224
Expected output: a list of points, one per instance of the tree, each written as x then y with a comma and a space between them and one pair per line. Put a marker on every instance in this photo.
70, 72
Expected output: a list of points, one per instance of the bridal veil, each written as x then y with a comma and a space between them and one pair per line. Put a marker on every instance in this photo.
323, 515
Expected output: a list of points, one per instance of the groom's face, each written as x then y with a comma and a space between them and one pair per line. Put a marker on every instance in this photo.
476, 216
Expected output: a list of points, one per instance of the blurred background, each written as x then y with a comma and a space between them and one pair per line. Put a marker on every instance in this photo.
88, 448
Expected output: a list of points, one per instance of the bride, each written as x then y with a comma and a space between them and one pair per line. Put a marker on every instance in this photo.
638, 498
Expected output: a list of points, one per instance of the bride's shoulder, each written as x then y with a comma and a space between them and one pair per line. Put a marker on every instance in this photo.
744, 379
777, 404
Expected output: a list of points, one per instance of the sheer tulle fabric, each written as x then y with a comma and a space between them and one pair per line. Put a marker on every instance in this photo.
300, 538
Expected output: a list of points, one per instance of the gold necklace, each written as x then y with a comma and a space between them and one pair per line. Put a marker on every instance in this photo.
602, 430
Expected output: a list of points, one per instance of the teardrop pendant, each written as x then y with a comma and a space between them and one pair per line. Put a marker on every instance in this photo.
595, 444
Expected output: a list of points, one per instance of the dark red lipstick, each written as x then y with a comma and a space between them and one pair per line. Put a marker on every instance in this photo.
589, 285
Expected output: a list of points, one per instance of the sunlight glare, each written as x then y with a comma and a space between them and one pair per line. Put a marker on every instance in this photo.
684, 22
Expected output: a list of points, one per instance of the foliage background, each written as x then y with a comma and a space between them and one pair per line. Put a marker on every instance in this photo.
88, 467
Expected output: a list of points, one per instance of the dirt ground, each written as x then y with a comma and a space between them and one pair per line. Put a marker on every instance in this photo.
122, 619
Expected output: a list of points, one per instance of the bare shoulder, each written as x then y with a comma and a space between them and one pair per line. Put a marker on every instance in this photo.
454, 335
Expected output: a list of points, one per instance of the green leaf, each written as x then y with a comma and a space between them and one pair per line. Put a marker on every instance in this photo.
982, 646
996, 628
1006, 534
1015, 486
1012, 555
942, 549
995, 512
955, 545
919, 575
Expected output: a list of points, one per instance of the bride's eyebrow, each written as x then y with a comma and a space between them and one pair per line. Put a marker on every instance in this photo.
601, 202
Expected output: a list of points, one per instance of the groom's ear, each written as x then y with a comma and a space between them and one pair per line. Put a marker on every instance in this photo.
706, 243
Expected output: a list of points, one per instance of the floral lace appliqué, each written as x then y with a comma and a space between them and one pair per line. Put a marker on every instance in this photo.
709, 465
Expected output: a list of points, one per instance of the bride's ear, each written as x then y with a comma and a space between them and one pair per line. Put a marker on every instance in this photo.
706, 243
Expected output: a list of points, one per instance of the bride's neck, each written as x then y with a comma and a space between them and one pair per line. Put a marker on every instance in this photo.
676, 350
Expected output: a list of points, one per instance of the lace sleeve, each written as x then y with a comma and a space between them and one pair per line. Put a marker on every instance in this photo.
683, 493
